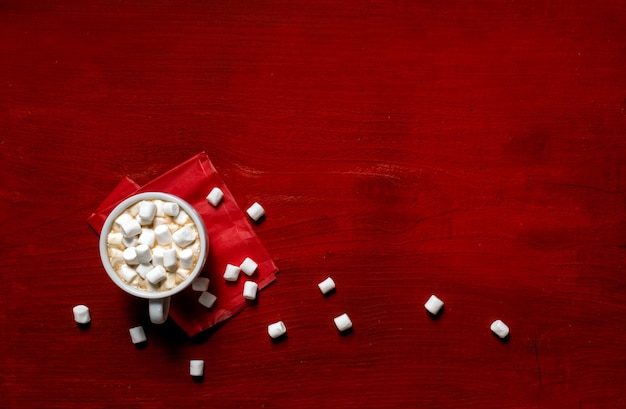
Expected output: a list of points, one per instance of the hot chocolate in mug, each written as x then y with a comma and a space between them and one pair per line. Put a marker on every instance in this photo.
153, 245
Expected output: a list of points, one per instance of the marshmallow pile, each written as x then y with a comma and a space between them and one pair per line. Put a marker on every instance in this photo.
153, 245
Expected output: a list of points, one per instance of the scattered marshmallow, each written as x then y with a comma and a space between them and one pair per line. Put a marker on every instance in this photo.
147, 237
200, 284
144, 255
207, 299
131, 228
163, 235
156, 275
196, 368
130, 256
276, 329
248, 266
231, 273
343, 322
171, 209
184, 236
326, 286
81, 314
255, 211
186, 258
128, 273
433, 305
500, 328
249, 290
170, 259
215, 197
137, 335
147, 211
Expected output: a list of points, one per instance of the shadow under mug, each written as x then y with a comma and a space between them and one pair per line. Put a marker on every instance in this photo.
158, 301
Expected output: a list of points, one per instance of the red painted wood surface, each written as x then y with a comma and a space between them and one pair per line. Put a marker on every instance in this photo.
475, 150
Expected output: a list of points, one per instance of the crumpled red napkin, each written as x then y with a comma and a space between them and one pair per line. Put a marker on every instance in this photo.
231, 240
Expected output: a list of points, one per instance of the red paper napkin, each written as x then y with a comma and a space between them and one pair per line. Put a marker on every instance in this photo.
231, 240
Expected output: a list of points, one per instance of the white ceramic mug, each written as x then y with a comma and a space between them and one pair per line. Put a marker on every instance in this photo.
158, 302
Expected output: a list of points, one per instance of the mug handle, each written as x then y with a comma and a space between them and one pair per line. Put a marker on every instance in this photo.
158, 308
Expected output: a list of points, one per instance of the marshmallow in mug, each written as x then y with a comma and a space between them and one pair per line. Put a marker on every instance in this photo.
151, 234
147, 211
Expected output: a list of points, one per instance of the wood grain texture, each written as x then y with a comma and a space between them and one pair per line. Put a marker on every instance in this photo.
476, 151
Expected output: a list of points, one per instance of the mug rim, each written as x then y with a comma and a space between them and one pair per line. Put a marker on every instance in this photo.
118, 210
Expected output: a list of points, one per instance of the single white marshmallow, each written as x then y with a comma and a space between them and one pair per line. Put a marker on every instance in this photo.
170, 281
137, 335
255, 211
158, 221
143, 269
249, 290
163, 235
231, 273
276, 329
169, 259
117, 256
433, 305
159, 208
182, 272
147, 237
81, 314
130, 241
171, 209
130, 256
123, 218
144, 255
327, 285
131, 228
134, 210
156, 275
182, 218
215, 197
157, 256
196, 368
186, 258
115, 240
207, 299
147, 211
184, 236
343, 322
200, 284
248, 266
500, 328
128, 273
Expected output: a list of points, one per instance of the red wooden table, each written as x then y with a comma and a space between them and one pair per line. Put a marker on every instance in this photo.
476, 151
